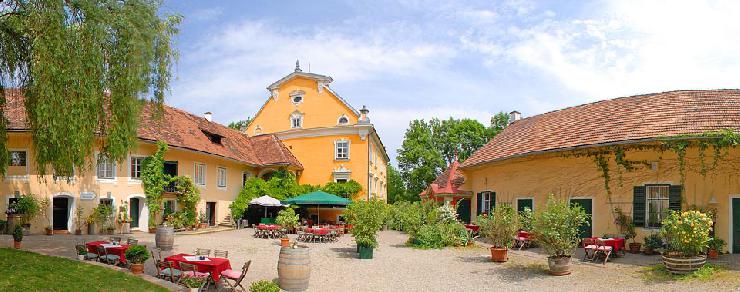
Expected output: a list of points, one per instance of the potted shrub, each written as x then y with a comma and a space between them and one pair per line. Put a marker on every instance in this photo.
715, 246
687, 236
499, 228
194, 283
556, 229
44, 206
653, 242
136, 255
367, 219
81, 252
630, 233
79, 221
264, 286
202, 220
288, 219
17, 236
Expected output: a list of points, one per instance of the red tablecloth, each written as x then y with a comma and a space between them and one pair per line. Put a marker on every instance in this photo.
215, 266
119, 251
319, 231
522, 234
472, 227
268, 227
617, 243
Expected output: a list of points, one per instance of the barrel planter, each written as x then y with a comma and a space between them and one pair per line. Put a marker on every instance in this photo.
683, 265
165, 237
294, 268
366, 252
91, 228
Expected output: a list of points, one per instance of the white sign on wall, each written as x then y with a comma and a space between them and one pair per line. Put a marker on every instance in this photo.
87, 196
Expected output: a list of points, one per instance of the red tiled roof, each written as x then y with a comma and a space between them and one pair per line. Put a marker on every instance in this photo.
447, 182
632, 118
181, 129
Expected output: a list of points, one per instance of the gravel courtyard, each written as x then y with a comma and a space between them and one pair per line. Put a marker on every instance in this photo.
396, 267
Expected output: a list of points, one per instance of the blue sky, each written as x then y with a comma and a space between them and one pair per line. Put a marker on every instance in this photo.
420, 59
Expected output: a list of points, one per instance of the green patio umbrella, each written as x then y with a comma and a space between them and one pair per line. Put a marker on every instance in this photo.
317, 198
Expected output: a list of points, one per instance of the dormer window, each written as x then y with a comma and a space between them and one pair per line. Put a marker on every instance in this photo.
297, 96
214, 138
296, 120
258, 130
343, 120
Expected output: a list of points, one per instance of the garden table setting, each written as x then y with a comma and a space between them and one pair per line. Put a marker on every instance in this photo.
617, 243
203, 264
268, 231
115, 248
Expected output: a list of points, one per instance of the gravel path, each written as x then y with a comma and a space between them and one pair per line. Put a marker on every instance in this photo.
395, 267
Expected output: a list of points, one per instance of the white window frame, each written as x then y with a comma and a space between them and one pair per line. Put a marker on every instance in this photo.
22, 177
248, 174
666, 200
336, 150
196, 178
221, 177
257, 130
297, 93
524, 198
299, 118
69, 179
132, 179
113, 169
487, 198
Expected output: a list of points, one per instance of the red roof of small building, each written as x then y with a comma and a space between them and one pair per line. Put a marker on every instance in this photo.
447, 183
634, 118
181, 129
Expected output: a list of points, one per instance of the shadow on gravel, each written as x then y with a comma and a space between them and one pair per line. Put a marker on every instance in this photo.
475, 259
345, 252
511, 272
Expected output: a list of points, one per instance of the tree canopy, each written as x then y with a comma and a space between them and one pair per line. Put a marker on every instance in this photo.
85, 67
429, 146
240, 124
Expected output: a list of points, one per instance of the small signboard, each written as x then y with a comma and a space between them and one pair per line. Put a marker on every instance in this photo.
87, 196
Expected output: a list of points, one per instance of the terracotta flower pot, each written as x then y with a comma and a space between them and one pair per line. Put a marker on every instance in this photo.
137, 269
49, 231
559, 266
78, 232
712, 254
17, 244
284, 242
499, 254
635, 247
648, 251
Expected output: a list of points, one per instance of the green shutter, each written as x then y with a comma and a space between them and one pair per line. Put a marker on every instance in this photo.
480, 203
674, 198
493, 200
638, 206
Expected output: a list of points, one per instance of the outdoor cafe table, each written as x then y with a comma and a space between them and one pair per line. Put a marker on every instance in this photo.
213, 265
617, 243
118, 250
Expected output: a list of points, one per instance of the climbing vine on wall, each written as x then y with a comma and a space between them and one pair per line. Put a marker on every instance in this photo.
188, 197
154, 180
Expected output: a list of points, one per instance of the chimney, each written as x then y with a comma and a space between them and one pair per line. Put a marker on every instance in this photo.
514, 116
208, 116
363, 115
243, 129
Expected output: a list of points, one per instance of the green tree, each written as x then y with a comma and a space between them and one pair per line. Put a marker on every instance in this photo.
85, 67
343, 189
240, 124
396, 189
418, 159
498, 122
461, 137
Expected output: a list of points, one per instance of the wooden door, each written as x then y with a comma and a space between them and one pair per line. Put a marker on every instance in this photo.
60, 213
735, 225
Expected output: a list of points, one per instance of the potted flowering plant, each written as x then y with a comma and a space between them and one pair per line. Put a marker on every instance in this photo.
652, 243
123, 218
202, 220
499, 228
687, 235
79, 220
557, 230
81, 252
367, 219
136, 255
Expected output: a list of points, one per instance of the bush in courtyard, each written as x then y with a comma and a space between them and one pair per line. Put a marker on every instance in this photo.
687, 233
653, 241
287, 218
137, 254
366, 217
556, 228
264, 286
409, 217
439, 235
525, 219
447, 214
500, 227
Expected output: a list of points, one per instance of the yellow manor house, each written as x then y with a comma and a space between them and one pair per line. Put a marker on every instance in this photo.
336, 143
635, 141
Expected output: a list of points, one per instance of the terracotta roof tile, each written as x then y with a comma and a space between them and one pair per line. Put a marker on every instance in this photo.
181, 129
621, 119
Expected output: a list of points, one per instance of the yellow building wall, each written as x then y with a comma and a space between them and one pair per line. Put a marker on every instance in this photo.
320, 109
122, 187
538, 176
317, 156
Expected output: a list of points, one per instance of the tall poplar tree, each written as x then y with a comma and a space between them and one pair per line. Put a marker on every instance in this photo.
85, 68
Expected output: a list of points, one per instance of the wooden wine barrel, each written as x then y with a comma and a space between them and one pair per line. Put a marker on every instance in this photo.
683, 265
165, 237
294, 268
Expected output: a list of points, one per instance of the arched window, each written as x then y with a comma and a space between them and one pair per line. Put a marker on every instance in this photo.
343, 120
258, 130
297, 96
